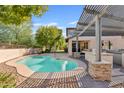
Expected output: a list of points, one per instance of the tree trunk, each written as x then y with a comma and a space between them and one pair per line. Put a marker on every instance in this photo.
50, 48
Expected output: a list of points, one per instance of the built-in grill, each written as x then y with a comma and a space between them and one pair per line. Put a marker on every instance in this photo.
117, 56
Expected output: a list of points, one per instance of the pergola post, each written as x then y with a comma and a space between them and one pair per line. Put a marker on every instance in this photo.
70, 47
98, 38
77, 43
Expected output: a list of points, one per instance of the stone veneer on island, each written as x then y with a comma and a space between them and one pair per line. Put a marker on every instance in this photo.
99, 70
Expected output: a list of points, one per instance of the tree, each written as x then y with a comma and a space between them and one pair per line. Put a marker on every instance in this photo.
25, 36
19, 35
48, 36
18, 14
14, 26
4, 34
60, 44
22, 33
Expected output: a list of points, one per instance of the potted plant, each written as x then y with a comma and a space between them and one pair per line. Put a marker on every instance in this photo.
109, 45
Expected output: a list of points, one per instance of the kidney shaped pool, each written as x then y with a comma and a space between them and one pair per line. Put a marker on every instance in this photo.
47, 64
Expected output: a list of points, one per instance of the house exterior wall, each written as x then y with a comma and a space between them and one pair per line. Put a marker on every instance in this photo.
70, 32
117, 42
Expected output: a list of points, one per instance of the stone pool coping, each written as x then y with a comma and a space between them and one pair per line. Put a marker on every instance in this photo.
21, 68
26, 72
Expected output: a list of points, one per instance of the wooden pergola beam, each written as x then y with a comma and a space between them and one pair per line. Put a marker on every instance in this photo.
105, 26
94, 12
93, 21
86, 27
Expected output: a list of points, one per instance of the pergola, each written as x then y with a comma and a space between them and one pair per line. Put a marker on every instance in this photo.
100, 18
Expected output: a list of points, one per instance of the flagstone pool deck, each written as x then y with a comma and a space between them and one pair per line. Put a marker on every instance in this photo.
78, 78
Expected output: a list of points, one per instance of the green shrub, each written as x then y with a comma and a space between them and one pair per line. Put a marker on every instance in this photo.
7, 80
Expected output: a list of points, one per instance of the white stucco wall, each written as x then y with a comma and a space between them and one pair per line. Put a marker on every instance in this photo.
118, 43
7, 54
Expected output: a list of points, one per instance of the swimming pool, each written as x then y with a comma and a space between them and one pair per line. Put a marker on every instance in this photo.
47, 64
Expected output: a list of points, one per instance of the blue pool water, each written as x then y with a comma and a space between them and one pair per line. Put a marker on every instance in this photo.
47, 64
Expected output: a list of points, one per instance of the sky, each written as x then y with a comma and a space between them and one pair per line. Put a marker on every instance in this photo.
62, 16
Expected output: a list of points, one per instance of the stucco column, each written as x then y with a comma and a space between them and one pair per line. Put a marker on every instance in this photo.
77, 44
70, 47
98, 38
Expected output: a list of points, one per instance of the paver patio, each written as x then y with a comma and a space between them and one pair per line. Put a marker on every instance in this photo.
81, 80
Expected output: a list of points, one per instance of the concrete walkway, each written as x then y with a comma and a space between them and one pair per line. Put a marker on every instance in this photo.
117, 76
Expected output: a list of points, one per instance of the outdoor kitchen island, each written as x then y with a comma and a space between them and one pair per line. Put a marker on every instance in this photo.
99, 70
